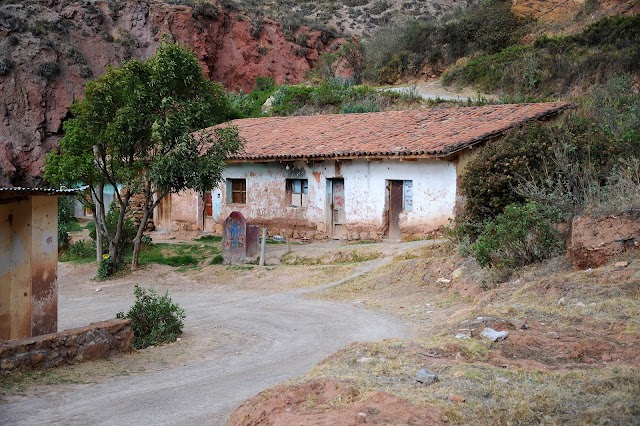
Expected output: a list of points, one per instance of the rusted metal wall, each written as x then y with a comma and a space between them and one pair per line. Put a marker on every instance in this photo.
44, 264
28, 267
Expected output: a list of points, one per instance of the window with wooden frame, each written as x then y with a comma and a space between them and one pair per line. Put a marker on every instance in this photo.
236, 191
297, 191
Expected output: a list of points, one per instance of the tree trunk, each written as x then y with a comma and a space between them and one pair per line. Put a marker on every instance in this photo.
137, 240
98, 217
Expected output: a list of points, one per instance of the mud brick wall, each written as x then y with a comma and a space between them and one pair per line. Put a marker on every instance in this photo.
95, 341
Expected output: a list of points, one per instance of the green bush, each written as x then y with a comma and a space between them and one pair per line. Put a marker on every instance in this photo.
489, 179
155, 319
106, 268
48, 70
360, 107
250, 104
65, 217
81, 250
521, 235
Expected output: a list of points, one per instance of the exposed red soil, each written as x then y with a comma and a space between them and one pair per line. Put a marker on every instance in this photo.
328, 402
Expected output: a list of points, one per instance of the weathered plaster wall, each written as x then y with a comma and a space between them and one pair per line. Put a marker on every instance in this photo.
28, 265
434, 196
266, 195
184, 209
44, 265
95, 341
434, 187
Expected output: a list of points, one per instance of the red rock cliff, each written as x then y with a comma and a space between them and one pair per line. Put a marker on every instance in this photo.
50, 49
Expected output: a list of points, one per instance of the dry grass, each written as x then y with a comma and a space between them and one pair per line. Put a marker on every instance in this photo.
331, 258
530, 378
493, 395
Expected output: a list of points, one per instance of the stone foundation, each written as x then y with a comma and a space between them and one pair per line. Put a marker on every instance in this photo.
95, 341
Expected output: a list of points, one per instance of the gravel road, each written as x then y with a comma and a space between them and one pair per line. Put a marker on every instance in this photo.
236, 343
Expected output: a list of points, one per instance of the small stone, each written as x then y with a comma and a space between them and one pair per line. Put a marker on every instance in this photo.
519, 324
98, 289
553, 335
494, 335
580, 304
561, 302
366, 359
37, 358
462, 336
7, 364
457, 273
457, 398
443, 281
426, 377
621, 264
502, 380
178, 339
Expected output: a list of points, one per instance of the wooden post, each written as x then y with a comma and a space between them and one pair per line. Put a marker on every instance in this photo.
263, 245
288, 246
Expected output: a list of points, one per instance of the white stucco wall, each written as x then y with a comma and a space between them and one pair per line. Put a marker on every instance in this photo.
434, 192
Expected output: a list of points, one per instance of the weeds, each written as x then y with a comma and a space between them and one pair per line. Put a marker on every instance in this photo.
209, 239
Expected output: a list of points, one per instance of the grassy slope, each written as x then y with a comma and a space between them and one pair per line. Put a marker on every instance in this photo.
577, 363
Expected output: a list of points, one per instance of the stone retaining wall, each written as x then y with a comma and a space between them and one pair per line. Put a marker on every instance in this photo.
95, 341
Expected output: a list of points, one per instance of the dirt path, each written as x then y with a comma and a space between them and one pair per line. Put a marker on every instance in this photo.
434, 89
236, 343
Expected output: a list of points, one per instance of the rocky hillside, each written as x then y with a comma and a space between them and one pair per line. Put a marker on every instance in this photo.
50, 49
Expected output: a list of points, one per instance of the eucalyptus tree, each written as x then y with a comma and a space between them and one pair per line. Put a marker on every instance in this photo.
134, 129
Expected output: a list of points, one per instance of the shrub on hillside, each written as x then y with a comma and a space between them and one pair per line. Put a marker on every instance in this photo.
522, 234
556, 65
485, 28
490, 178
155, 319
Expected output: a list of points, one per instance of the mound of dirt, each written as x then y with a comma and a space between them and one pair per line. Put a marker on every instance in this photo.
595, 239
327, 402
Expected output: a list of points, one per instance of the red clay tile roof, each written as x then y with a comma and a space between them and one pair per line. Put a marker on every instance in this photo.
430, 132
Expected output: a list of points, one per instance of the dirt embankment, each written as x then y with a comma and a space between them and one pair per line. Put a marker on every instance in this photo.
49, 50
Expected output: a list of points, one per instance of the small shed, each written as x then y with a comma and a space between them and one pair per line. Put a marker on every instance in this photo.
28, 261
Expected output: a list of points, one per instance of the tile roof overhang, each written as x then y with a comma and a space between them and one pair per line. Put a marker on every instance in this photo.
425, 133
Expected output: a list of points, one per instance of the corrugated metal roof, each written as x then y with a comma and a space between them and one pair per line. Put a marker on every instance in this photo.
39, 191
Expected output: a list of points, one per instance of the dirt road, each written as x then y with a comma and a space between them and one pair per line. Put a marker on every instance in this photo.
246, 330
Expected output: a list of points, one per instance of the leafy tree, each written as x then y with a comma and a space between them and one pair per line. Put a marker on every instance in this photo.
352, 53
134, 128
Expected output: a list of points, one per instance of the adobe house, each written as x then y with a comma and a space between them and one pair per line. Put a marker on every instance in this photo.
28, 262
390, 174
